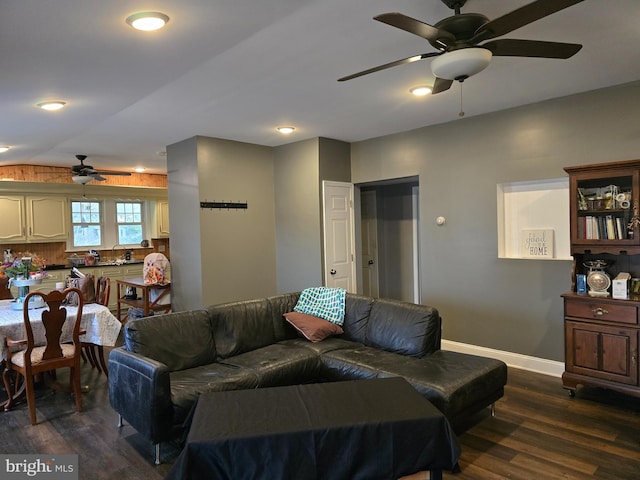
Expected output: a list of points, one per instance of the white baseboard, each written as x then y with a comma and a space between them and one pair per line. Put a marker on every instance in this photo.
515, 360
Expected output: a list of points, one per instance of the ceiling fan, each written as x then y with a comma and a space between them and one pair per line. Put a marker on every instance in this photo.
459, 38
85, 173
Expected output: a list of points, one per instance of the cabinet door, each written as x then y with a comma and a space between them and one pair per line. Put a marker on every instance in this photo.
163, 218
114, 273
602, 351
12, 226
53, 277
47, 218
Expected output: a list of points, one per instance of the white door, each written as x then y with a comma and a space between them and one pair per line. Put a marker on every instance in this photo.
369, 234
339, 247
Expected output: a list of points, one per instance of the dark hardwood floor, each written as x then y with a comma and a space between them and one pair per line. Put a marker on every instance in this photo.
539, 432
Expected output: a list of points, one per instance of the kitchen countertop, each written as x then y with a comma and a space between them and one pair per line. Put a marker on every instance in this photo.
99, 264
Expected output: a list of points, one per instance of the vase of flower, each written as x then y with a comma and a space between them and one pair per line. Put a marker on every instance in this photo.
24, 271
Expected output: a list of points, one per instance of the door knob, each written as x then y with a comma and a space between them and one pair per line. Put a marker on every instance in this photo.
332, 272
370, 262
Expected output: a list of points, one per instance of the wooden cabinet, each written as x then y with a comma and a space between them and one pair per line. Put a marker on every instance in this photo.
162, 218
47, 219
601, 343
13, 226
33, 219
603, 203
115, 273
602, 333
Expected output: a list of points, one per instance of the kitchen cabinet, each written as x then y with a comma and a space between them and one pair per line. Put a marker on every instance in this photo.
162, 218
47, 219
33, 219
117, 272
114, 272
13, 226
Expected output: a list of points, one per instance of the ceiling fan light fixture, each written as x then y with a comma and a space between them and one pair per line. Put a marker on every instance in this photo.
421, 90
82, 179
147, 21
461, 64
52, 106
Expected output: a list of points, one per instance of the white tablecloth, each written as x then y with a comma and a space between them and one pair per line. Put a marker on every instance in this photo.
101, 325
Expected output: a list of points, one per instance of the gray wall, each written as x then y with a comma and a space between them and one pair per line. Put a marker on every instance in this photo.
221, 254
186, 275
299, 170
511, 305
298, 232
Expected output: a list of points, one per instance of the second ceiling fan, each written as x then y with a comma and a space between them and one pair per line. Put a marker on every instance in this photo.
458, 40
86, 173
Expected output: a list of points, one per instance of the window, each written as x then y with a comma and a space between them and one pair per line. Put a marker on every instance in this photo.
85, 220
129, 222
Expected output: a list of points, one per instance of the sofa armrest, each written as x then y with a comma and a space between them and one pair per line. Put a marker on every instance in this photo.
140, 391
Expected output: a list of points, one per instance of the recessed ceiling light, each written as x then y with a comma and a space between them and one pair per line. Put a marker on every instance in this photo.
286, 130
4, 149
52, 106
138, 169
421, 91
147, 21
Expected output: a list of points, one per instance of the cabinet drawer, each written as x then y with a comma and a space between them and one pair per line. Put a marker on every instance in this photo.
602, 311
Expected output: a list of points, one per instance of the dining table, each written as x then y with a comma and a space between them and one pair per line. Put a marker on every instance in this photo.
101, 326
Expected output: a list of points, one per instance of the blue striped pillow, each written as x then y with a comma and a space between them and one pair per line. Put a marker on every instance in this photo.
323, 302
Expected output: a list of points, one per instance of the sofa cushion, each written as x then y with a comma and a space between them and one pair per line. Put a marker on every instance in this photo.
323, 302
455, 383
327, 345
279, 364
356, 317
404, 328
312, 328
357, 363
279, 305
243, 326
186, 385
179, 340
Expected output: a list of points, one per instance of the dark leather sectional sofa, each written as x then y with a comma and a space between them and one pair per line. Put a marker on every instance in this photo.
168, 360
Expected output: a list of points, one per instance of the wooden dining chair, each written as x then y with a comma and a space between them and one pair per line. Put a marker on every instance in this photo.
95, 353
5, 292
34, 359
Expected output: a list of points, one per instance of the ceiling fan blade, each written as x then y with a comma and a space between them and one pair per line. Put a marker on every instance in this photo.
107, 172
519, 18
531, 48
415, 58
441, 85
97, 176
411, 25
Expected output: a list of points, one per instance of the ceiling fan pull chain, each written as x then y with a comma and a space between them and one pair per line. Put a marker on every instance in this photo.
461, 113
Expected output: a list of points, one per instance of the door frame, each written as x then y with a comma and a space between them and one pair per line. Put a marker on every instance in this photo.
416, 247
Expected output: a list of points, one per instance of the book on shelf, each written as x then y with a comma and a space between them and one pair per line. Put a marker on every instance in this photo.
607, 227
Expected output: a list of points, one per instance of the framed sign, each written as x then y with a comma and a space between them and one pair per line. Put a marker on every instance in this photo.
537, 243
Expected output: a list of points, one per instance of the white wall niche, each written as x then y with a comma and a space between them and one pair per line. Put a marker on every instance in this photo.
533, 205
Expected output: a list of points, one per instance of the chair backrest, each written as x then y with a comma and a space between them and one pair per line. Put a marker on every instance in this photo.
53, 321
103, 289
153, 269
5, 292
